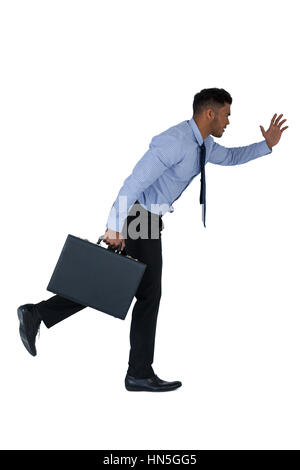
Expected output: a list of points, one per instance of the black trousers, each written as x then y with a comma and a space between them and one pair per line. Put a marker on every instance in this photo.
145, 311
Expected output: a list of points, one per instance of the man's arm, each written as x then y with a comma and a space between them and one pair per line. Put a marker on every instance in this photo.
164, 151
237, 155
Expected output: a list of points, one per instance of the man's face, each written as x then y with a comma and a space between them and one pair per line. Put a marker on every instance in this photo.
220, 121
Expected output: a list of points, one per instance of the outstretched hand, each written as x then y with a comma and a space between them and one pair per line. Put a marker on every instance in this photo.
273, 134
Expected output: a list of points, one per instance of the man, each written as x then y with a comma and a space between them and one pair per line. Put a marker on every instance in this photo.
173, 159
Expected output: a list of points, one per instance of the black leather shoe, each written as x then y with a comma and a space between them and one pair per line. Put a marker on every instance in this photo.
29, 326
151, 384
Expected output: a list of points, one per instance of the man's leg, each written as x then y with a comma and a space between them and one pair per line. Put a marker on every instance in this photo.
56, 309
49, 311
145, 311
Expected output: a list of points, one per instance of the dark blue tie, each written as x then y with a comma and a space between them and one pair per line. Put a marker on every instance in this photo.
203, 184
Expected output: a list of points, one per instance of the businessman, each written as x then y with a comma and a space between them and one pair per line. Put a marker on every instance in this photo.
134, 224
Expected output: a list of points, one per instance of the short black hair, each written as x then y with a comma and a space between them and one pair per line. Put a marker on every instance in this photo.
210, 97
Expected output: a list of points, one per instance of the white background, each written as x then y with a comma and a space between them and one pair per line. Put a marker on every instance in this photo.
84, 87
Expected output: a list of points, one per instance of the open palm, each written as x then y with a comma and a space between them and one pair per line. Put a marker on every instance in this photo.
273, 134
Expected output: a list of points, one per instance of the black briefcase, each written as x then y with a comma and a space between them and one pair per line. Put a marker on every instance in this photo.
102, 278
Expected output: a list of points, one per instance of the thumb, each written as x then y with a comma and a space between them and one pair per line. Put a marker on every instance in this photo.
262, 130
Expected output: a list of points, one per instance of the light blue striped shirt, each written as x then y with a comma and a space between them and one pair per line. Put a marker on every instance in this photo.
169, 166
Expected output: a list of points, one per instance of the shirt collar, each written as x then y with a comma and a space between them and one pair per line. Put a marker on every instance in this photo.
196, 131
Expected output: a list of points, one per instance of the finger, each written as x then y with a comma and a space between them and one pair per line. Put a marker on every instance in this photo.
284, 128
278, 119
262, 130
273, 119
280, 124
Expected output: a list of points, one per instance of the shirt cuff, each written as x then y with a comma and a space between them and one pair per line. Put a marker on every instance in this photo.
268, 150
113, 221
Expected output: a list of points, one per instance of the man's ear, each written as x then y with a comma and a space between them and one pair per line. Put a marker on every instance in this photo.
210, 114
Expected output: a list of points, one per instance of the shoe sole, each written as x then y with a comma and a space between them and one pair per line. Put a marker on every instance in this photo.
130, 388
22, 332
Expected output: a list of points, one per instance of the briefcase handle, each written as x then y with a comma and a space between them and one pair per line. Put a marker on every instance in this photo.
100, 239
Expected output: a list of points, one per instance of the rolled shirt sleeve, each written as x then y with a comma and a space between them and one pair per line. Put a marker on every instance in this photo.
220, 155
164, 151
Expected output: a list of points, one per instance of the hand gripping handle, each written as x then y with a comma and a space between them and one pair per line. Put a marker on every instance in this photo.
118, 248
